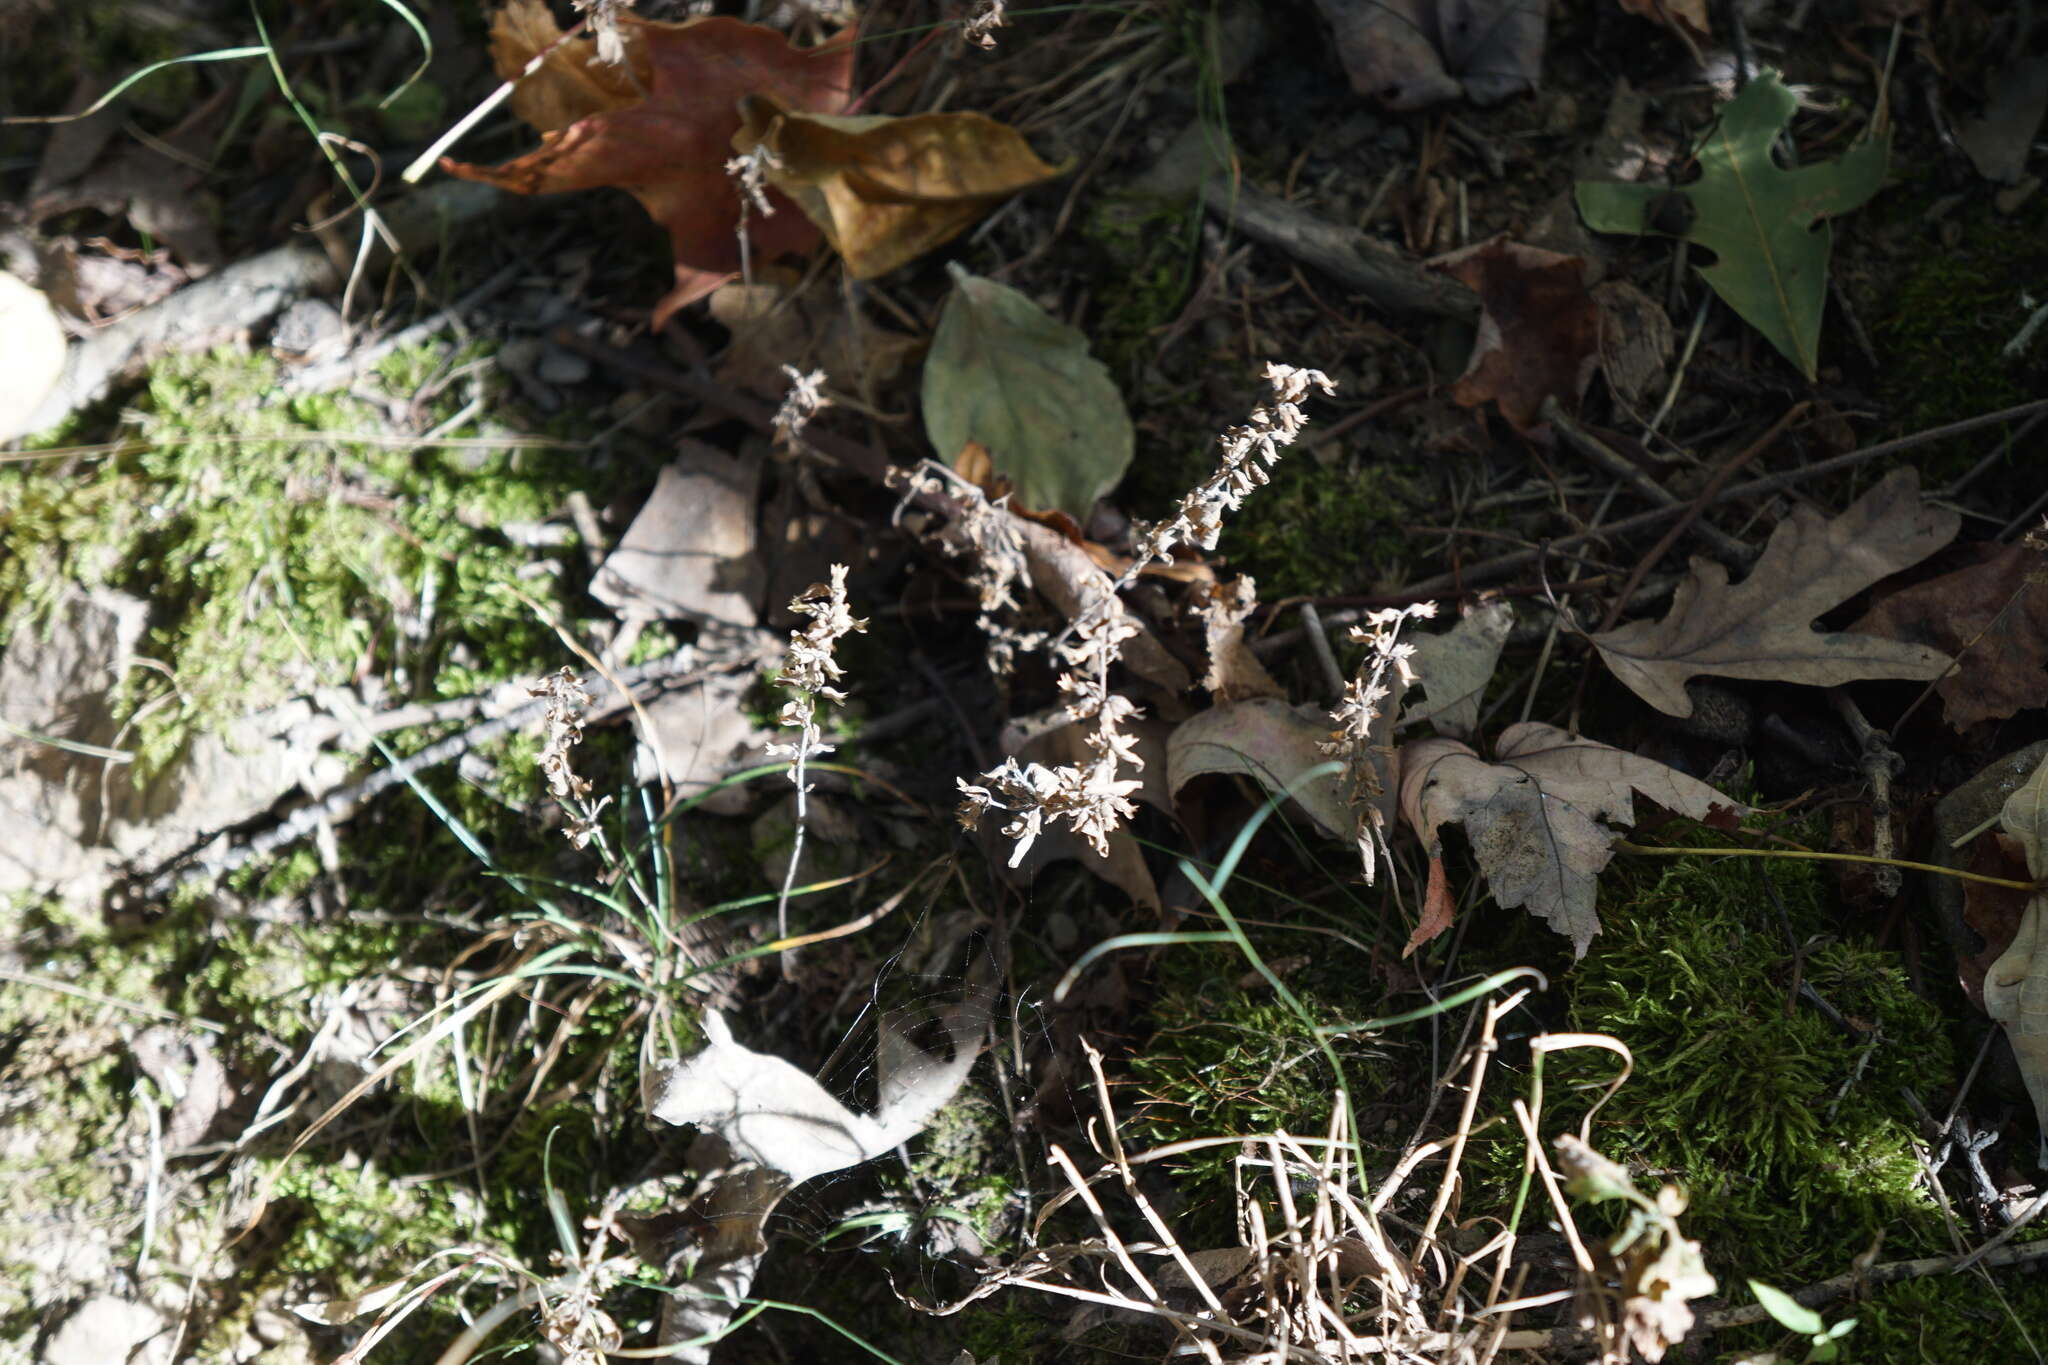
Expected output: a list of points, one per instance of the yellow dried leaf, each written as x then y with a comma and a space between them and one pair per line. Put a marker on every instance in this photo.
571, 83
886, 190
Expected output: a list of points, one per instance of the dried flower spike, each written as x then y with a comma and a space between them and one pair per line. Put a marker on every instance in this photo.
809, 672
986, 528
799, 406
566, 700
1093, 798
1359, 741
980, 28
750, 170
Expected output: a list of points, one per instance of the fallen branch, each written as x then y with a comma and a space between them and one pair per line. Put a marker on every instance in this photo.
1347, 255
229, 302
677, 670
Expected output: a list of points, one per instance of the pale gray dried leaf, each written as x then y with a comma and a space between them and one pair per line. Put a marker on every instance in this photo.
1534, 817
1762, 628
771, 1113
1064, 574
188, 1077
1999, 139
691, 552
1005, 373
32, 353
1536, 853
1604, 779
1269, 741
695, 737
1412, 53
2016, 985
2024, 816
1453, 668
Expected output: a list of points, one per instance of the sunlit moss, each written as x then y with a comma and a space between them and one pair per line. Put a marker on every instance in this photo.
276, 555
1786, 1129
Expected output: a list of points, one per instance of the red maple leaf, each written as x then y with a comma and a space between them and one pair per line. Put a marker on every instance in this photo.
669, 149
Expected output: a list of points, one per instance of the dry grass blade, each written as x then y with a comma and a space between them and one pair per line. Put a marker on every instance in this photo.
1323, 1273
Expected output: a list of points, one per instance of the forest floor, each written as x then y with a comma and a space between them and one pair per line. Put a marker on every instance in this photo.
371, 988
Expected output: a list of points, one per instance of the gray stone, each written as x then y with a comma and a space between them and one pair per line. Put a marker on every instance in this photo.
559, 365
691, 553
106, 1331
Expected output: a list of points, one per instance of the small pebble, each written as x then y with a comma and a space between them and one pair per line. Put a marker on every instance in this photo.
559, 365
521, 357
309, 330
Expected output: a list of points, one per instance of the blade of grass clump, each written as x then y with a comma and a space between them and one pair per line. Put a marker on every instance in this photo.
226, 54
412, 21
485, 993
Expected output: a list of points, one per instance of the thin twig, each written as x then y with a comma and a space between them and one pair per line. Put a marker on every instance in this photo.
1614, 462
1491, 570
1880, 765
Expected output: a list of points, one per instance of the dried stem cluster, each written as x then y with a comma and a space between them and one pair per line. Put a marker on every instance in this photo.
1324, 1272
1094, 797
1360, 740
809, 672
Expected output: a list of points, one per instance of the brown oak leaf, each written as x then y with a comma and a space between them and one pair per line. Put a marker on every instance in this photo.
1993, 616
1538, 817
1763, 627
668, 147
1539, 329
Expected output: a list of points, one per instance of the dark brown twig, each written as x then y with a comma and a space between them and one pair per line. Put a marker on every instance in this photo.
1687, 516
1692, 511
1880, 765
1492, 570
1615, 463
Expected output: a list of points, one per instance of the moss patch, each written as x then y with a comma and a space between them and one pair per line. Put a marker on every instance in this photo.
1143, 249
1946, 323
276, 555
1786, 1130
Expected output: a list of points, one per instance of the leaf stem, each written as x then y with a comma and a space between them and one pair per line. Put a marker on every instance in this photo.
1626, 847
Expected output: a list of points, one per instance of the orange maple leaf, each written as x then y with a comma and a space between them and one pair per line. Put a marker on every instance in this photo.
667, 149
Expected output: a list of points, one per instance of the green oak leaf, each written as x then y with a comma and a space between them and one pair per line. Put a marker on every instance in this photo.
1762, 222
1005, 373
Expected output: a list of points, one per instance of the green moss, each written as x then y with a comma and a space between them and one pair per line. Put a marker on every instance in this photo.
354, 1225
270, 975
966, 1158
1227, 1058
1951, 1317
275, 555
1945, 324
1787, 1132
1317, 531
1144, 251
1006, 1335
